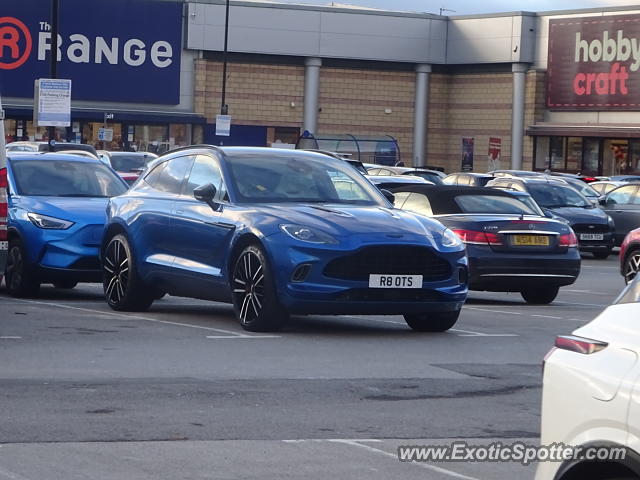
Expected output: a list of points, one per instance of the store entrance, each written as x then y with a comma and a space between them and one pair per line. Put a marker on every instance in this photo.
615, 157
90, 135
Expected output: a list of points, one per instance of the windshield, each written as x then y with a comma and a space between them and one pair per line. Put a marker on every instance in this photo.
66, 179
293, 178
432, 177
584, 188
130, 162
493, 204
549, 195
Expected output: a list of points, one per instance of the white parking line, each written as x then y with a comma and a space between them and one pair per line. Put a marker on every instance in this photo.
467, 333
547, 316
10, 338
493, 311
138, 317
427, 466
586, 291
219, 337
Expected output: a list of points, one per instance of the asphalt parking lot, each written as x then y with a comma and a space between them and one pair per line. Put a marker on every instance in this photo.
182, 391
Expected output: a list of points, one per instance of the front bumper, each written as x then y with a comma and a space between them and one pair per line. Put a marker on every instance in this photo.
509, 272
321, 294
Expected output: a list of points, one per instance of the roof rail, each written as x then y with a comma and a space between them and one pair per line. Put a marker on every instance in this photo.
203, 145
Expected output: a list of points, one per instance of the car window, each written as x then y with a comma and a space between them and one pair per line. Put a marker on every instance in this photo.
492, 204
450, 180
170, 178
599, 188
66, 179
400, 198
622, 196
346, 188
373, 171
205, 170
128, 162
418, 203
552, 195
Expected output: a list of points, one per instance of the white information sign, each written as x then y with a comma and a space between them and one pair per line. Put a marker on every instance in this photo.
52, 102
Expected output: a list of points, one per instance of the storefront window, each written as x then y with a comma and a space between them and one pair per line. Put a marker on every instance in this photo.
150, 138
41, 134
179, 134
10, 131
574, 154
542, 153
591, 156
634, 158
198, 135
557, 153
91, 131
615, 157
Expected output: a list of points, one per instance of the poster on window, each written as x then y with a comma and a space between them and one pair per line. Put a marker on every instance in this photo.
467, 154
495, 150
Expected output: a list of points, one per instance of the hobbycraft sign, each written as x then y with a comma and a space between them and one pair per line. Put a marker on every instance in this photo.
594, 63
113, 50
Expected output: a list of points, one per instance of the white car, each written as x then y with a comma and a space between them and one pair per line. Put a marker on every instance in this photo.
591, 395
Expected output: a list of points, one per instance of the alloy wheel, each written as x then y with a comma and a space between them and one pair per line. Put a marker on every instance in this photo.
116, 271
14, 270
248, 286
631, 266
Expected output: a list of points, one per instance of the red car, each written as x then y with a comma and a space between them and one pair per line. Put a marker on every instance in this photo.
630, 255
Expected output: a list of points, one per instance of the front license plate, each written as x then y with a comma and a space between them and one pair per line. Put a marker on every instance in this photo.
395, 281
534, 240
591, 236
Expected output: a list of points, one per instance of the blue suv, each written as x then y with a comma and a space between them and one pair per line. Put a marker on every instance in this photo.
57, 210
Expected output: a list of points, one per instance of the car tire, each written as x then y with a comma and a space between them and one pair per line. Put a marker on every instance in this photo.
602, 255
255, 299
19, 277
432, 322
540, 296
124, 290
631, 265
65, 285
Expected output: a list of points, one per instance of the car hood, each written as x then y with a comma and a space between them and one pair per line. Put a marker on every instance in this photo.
581, 215
347, 220
75, 209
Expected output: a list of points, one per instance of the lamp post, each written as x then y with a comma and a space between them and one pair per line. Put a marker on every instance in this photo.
53, 66
224, 108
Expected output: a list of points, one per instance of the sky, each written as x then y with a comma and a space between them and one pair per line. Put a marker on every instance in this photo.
468, 7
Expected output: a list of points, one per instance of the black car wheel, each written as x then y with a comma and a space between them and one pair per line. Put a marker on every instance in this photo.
602, 255
65, 285
432, 322
631, 266
123, 288
255, 299
18, 275
540, 296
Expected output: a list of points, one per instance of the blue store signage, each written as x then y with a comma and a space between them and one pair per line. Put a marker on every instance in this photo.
112, 50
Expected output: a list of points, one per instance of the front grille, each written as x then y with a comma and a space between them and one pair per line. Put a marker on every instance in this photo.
390, 260
590, 228
388, 295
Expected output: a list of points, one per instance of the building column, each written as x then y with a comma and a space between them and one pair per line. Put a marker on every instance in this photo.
311, 93
421, 114
517, 116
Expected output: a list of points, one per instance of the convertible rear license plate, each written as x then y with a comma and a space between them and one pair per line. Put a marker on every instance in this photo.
535, 240
395, 281
591, 236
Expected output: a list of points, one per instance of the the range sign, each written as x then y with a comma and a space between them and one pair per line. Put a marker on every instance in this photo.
112, 50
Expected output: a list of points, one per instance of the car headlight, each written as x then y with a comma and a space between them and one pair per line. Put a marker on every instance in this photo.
610, 222
308, 234
451, 240
49, 223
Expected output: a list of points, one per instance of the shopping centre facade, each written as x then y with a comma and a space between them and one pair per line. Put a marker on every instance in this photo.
557, 90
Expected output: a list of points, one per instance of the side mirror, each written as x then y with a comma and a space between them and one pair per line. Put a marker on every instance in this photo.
548, 214
602, 200
206, 193
388, 195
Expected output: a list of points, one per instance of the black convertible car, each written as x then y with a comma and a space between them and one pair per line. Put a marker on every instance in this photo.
511, 248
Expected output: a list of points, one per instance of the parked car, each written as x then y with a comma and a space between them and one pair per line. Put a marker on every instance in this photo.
468, 179
582, 187
511, 247
575, 176
433, 176
630, 255
623, 205
590, 395
275, 232
514, 173
605, 186
22, 146
129, 165
594, 228
57, 206
625, 178
384, 182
